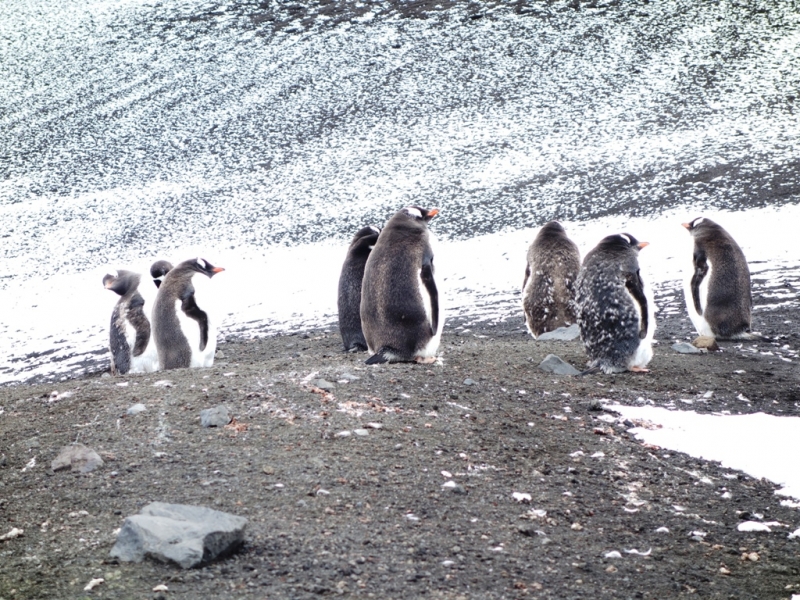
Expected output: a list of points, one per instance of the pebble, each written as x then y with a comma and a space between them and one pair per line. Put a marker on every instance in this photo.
163, 383
136, 409
77, 457
14, 533
325, 385
561, 334
93, 584
469, 381
344, 434
361, 432
214, 417
687, 348
349, 377
554, 364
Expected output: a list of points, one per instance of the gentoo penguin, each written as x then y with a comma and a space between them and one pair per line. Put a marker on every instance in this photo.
615, 308
185, 334
159, 270
548, 292
717, 288
400, 312
350, 288
130, 342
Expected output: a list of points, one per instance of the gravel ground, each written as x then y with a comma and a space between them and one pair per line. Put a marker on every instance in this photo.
366, 514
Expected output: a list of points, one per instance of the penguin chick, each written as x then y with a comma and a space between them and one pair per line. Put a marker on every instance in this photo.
400, 312
185, 333
159, 270
615, 308
717, 287
548, 292
350, 279
130, 341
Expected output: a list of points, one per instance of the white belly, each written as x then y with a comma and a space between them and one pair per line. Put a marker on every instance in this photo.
147, 362
698, 320
432, 346
191, 329
644, 352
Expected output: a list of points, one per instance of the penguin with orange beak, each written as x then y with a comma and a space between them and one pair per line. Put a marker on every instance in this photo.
185, 333
616, 312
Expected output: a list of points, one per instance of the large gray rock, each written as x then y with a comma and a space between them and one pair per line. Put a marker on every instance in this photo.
215, 417
187, 535
77, 457
553, 364
561, 334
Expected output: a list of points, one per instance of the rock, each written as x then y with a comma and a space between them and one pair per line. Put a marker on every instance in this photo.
553, 364
706, 342
214, 417
77, 457
324, 384
687, 348
562, 334
349, 377
136, 409
187, 535
469, 381
361, 432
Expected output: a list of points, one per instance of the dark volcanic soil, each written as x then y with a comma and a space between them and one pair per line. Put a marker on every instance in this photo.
367, 515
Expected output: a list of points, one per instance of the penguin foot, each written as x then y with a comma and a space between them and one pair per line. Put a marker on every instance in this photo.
426, 360
636, 369
706, 342
591, 371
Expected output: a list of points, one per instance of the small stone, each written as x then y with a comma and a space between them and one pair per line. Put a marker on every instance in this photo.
349, 377
268, 470
344, 434
521, 497
554, 364
687, 348
706, 342
324, 385
93, 584
361, 432
161, 588
576, 527
724, 571
77, 457
219, 354
469, 381
163, 383
214, 417
14, 533
561, 334
136, 409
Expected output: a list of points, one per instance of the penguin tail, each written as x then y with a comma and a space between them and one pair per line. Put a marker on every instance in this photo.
591, 370
378, 358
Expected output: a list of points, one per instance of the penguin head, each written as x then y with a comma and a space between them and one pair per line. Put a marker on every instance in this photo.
699, 225
623, 241
122, 282
366, 237
420, 214
206, 268
158, 271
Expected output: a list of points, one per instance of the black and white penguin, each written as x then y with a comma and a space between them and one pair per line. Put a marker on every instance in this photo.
717, 287
159, 270
130, 341
400, 313
184, 332
350, 280
616, 312
548, 292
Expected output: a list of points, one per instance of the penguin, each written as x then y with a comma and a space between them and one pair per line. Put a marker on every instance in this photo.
717, 287
400, 312
616, 312
350, 279
159, 270
548, 292
185, 334
130, 340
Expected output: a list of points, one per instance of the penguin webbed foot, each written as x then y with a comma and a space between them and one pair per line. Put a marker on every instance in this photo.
591, 371
635, 369
426, 360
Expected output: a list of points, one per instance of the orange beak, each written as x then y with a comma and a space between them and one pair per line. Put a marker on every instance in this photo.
686, 225
643, 245
217, 269
433, 212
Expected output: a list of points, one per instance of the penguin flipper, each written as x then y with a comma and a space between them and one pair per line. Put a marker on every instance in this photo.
527, 275
700, 272
191, 310
140, 323
427, 279
591, 370
634, 285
